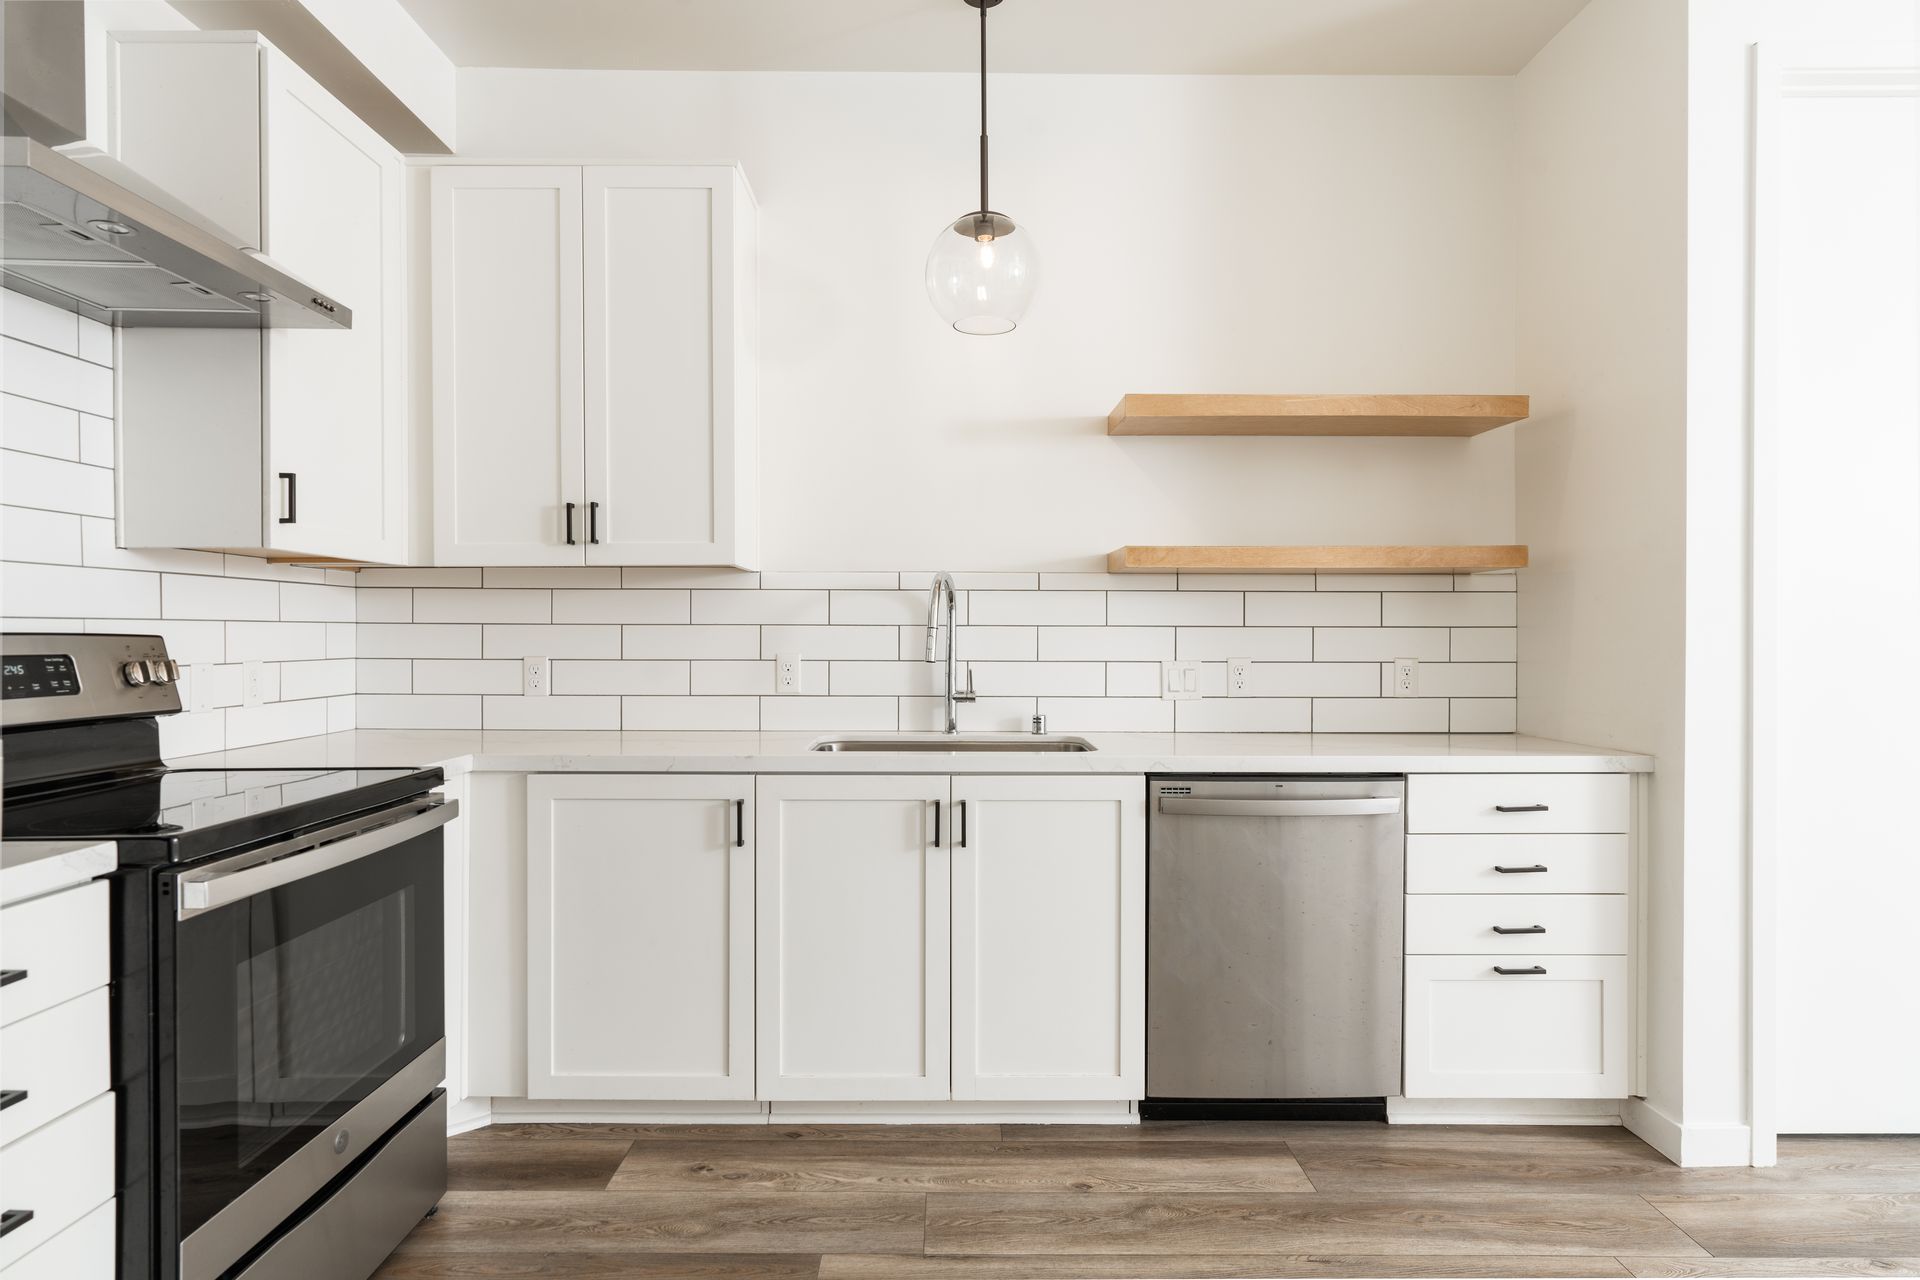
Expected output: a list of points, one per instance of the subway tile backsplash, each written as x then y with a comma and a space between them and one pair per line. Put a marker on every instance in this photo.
61, 571
696, 648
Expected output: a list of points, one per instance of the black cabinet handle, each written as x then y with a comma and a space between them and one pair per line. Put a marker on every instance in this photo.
593, 523
10, 1096
570, 541
1531, 928
936, 824
739, 824
1528, 972
293, 483
10, 976
961, 805
1521, 871
14, 1218
1519, 808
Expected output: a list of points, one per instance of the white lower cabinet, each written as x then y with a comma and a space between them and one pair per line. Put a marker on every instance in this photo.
852, 962
1522, 1026
1049, 932
640, 937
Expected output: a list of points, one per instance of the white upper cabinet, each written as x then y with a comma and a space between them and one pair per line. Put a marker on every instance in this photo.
507, 365
288, 440
594, 366
1049, 931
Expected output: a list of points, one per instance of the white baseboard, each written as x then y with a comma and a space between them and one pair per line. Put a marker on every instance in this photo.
955, 1112
1696, 1146
469, 1114
476, 1113
1568, 1111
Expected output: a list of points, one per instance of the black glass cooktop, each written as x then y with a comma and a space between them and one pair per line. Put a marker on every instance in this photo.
200, 811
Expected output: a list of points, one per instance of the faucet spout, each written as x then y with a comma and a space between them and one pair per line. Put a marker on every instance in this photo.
943, 593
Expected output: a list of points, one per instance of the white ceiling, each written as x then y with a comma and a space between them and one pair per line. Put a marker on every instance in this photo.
1245, 37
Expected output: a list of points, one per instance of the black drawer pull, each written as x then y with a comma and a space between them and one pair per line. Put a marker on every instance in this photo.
14, 1218
936, 824
10, 1096
293, 495
593, 523
739, 824
1531, 928
1536, 969
1519, 808
570, 541
1521, 871
10, 976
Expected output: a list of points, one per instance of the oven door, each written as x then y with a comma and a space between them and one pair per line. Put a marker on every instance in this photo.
308, 1020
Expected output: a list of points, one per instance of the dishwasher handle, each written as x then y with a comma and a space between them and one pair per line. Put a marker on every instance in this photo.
1360, 806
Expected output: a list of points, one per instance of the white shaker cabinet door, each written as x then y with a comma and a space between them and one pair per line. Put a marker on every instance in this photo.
639, 936
336, 439
853, 917
507, 423
671, 459
1049, 932
1527, 1026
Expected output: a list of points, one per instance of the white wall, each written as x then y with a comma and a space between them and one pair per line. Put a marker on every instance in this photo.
1600, 471
1197, 234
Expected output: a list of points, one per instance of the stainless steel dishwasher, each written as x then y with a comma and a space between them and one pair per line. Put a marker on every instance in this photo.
1274, 909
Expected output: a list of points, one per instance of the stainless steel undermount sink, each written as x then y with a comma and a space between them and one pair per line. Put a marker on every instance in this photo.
955, 742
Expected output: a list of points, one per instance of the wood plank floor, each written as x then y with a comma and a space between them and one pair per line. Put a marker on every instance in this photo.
1177, 1201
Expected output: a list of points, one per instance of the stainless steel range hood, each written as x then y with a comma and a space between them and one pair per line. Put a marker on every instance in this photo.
74, 237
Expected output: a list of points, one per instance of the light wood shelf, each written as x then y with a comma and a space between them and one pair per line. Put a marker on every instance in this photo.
1211, 415
1419, 559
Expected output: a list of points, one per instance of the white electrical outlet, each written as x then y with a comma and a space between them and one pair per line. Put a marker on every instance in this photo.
1239, 677
1180, 680
786, 673
1406, 678
253, 679
536, 677
198, 695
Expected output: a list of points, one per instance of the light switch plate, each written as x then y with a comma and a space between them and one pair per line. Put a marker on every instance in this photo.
1180, 680
536, 677
253, 678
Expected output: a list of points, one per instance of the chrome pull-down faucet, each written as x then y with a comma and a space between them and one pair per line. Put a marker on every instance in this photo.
943, 590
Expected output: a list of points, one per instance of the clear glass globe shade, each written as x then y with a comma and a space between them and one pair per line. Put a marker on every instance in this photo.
981, 273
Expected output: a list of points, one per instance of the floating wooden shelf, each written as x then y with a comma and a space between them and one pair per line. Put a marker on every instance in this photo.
1158, 415
1316, 559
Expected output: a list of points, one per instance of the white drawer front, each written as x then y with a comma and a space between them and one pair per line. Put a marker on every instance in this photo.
59, 942
61, 1171
1561, 924
58, 1057
1516, 864
1518, 803
84, 1251
1474, 1033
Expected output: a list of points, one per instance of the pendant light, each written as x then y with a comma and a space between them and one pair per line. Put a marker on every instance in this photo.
982, 270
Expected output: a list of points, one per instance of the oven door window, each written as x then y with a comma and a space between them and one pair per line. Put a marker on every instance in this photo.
295, 1004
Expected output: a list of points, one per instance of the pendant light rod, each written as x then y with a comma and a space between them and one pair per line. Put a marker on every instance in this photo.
984, 206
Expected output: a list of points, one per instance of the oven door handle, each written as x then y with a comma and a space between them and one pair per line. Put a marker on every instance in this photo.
234, 879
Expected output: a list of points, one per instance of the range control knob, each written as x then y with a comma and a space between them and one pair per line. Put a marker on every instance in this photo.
157, 668
134, 672
173, 670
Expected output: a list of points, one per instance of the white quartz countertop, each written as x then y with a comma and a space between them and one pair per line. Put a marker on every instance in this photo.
532, 751
29, 868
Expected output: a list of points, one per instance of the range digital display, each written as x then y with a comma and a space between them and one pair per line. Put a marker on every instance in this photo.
39, 675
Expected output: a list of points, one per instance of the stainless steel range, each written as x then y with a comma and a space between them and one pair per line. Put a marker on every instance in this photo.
277, 974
